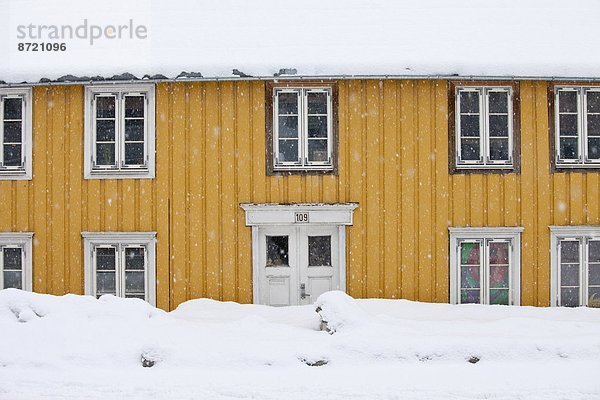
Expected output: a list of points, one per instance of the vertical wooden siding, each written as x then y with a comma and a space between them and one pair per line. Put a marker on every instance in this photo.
393, 160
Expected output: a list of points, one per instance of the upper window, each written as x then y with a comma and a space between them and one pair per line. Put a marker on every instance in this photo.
121, 264
484, 127
485, 265
575, 266
15, 261
119, 137
301, 134
577, 126
15, 133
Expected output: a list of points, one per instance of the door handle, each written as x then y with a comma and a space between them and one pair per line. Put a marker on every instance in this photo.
303, 293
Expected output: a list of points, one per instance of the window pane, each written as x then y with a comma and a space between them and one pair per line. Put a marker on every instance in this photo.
317, 127
12, 132
134, 258
568, 149
469, 125
469, 254
105, 154
470, 149
499, 296
105, 130
106, 282
469, 102
134, 106
134, 153
594, 275
498, 125
468, 296
594, 297
594, 250
567, 101
569, 274
288, 103
317, 150
317, 103
498, 102
569, 251
288, 150
105, 107
319, 250
568, 125
594, 148
499, 149
288, 127
105, 258
13, 280
569, 297
277, 251
13, 258
134, 282
499, 276
593, 125
12, 155
134, 130
13, 108
499, 252
593, 102
469, 277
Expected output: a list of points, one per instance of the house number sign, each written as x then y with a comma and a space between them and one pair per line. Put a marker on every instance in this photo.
301, 217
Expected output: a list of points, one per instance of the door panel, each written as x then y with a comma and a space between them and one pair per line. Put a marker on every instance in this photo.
318, 262
277, 266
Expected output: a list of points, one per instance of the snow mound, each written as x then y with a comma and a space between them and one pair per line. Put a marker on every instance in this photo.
338, 310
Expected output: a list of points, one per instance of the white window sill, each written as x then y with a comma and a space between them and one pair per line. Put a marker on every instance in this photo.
15, 175
120, 174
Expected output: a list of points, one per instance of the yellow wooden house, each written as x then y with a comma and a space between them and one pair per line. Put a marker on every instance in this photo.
274, 191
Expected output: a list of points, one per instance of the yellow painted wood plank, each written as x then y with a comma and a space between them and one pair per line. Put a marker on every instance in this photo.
6, 212
343, 148
494, 204
391, 168
228, 193
21, 204
477, 192
57, 196
592, 203
512, 196
561, 198
576, 198
409, 232
145, 203
259, 194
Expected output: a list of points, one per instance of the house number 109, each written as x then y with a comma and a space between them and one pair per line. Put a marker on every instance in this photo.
301, 217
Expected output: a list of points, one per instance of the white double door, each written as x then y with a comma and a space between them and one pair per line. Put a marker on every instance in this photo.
297, 263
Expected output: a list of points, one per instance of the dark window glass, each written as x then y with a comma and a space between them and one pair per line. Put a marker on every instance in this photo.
134, 130
470, 149
469, 125
317, 150
498, 125
594, 297
569, 297
288, 127
568, 125
105, 130
13, 280
105, 154
567, 101
498, 102
134, 153
134, 106
593, 125
134, 282
317, 103
12, 155
499, 149
317, 127
13, 108
499, 296
288, 103
105, 107
568, 148
319, 250
134, 258
277, 251
106, 282
593, 102
13, 132
594, 148
13, 258
469, 102
106, 258
288, 150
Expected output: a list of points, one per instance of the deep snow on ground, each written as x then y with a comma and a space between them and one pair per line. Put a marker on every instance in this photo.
317, 38
79, 347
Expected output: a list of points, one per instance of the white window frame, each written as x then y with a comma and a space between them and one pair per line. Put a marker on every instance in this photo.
582, 234
460, 234
484, 139
23, 172
91, 240
582, 160
23, 240
119, 172
303, 163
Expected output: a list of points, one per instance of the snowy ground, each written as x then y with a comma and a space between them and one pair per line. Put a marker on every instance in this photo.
75, 347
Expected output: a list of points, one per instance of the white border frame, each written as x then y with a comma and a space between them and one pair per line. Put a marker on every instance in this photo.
147, 239
458, 233
27, 172
24, 239
556, 233
149, 172
264, 215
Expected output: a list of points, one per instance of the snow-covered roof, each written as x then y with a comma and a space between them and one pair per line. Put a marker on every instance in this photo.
310, 38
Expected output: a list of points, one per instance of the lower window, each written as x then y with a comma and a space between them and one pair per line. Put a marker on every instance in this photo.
485, 265
15, 261
121, 264
575, 266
